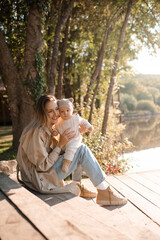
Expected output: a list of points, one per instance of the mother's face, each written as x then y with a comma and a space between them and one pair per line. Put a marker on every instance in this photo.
52, 112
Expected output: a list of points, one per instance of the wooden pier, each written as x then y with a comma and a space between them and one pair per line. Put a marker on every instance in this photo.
25, 215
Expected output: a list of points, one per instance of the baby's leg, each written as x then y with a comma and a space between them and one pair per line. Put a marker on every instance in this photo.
65, 165
68, 156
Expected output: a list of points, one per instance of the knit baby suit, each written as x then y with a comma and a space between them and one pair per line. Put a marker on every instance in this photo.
73, 124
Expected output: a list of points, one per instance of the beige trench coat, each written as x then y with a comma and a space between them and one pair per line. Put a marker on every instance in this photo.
37, 153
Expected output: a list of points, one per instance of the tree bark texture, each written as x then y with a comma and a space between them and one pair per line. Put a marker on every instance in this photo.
49, 42
114, 71
79, 95
10, 77
21, 105
62, 18
62, 61
98, 64
33, 42
67, 88
94, 97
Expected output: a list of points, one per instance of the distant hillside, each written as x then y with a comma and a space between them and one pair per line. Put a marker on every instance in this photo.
147, 77
140, 93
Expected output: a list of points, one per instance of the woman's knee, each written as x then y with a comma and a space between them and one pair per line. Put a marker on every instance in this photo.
86, 152
83, 147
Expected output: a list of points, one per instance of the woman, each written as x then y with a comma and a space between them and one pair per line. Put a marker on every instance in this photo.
40, 161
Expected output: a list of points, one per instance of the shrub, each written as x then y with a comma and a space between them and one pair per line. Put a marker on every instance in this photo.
108, 149
128, 102
144, 95
155, 93
130, 87
158, 101
146, 105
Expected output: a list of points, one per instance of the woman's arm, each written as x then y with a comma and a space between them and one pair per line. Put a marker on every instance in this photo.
35, 145
45, 161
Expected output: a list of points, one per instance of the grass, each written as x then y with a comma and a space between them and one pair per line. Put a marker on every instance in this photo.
7, 152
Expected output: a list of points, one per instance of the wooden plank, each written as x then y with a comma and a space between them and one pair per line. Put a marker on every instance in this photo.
145, 182
154, 172
141, 189
50, 224
13, 224
141, 203
126, 220
157, 173
118, 217
73, 209
150, 175
76, 210
88, 223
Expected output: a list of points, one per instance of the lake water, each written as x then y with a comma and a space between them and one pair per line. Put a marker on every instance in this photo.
145, 135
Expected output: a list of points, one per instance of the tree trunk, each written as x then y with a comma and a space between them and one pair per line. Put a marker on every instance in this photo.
62, 61
114, 71
94, 96
20, 109
79, 95
33, 43
49, 42
67, 88
98, 63
115, 16
62, 18
10, 77
21, 105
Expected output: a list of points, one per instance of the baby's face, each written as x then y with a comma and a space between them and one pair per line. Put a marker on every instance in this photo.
65, 113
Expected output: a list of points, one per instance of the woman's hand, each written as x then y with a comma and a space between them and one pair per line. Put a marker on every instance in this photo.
82, 128
66, 137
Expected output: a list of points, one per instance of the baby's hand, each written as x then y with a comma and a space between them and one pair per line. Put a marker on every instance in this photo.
54, 132
90, 129
82, 128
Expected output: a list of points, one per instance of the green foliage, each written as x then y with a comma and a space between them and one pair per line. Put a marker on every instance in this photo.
109, 148
36, 88
143, 94
42, 4
13, 15
158, 101
7, 152
146, 105
87, 29
155, 94
128, 103
138, 90
130, 87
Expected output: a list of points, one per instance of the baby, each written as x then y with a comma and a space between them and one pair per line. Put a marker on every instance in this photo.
68, 120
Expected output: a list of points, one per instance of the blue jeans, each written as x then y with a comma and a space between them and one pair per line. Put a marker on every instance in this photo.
83, 160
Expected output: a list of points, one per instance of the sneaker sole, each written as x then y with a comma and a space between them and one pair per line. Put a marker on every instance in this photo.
113, 203
88, 195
